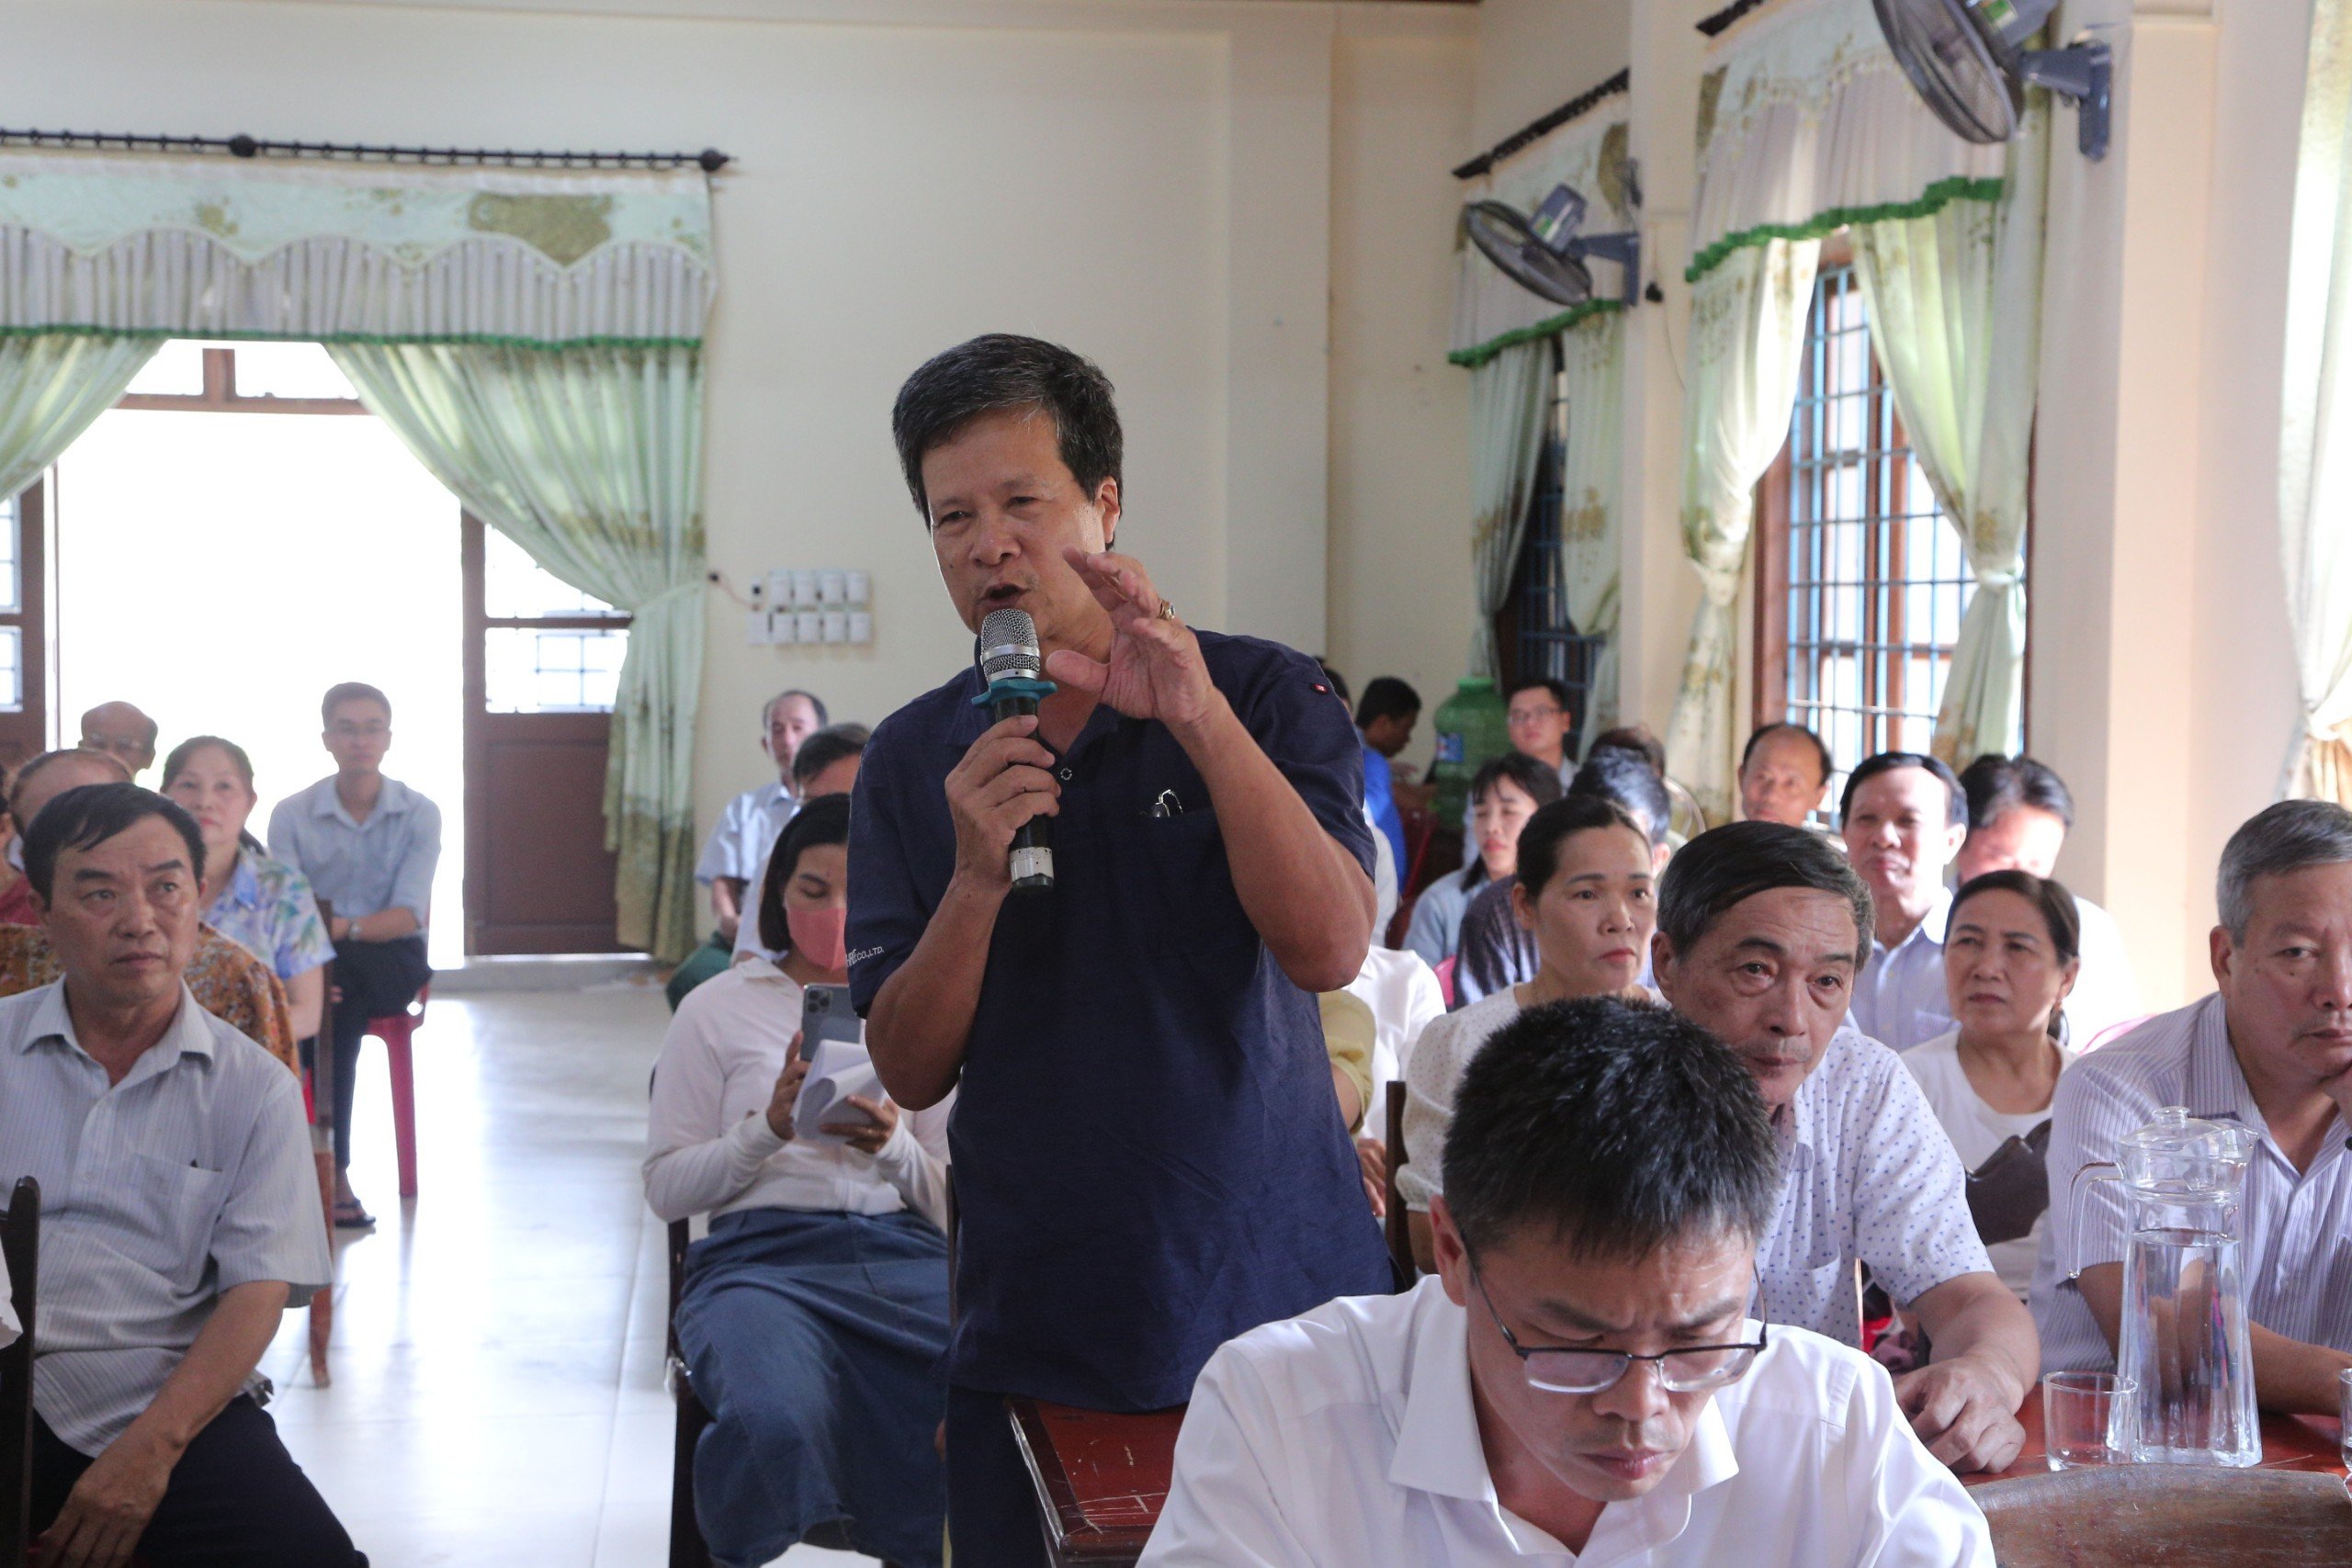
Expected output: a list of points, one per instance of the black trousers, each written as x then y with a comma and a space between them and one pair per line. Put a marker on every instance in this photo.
991, 1502
377, 979
236, 1499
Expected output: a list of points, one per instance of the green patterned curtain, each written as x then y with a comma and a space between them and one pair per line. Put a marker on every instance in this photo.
2315, 426
1508, 398
51, 385
591, 459
1746, 335
1954, 301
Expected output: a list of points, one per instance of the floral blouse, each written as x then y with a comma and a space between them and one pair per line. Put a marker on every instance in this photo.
227, 981
267, 908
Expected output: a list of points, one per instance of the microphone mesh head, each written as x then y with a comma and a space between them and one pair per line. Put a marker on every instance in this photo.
1009, 647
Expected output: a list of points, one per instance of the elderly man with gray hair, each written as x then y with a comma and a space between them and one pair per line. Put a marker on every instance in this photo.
2271, 1048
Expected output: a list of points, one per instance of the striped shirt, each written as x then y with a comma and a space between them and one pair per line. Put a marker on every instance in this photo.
189, 1178
385, 862
1869, 1176
2294, 1229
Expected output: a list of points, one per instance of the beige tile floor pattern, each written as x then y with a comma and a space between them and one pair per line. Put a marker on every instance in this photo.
496, 1398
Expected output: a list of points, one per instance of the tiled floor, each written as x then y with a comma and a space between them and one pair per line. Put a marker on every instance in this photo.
497, 1391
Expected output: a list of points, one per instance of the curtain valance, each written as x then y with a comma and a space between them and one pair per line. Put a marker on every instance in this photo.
182, 246
1807, 124
1491, 312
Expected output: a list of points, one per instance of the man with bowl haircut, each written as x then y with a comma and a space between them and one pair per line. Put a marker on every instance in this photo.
1580, 1380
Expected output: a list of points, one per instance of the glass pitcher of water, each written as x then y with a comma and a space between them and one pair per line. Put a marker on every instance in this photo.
2184, 1356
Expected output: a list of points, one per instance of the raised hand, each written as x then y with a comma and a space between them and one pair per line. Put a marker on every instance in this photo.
1155, 668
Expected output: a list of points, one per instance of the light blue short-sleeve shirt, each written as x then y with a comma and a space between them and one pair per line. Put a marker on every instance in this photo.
747, 829
189, 1178
385, 862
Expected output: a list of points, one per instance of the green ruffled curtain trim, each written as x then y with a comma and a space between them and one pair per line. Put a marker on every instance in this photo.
479, 340
1934, 199
1471, 358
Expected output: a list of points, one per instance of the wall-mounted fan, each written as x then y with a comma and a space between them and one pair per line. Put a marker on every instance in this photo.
1967, 59
1544, 255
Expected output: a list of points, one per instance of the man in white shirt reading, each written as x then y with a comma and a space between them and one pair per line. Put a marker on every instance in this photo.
1760, 928
1581, 1382
1904, 816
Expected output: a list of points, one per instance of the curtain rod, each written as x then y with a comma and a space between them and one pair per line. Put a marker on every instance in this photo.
1720, 23
710, 159
1621, 82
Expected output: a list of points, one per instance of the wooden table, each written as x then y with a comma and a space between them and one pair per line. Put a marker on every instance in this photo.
2289, 1442
1102, 1479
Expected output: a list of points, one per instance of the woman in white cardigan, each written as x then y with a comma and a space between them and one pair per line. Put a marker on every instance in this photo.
814, 1319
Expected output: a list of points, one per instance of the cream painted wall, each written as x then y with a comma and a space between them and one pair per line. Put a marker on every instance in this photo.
1150, 180
1398, 556
1534, 55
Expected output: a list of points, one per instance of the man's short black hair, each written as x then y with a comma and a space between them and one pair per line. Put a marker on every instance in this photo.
1766, 731
1636, 739
345, 692
1612, 772
1386, 696
1956, 801
88, 815
1724, 865
1994, 784
821, 750
1617, 1127
998, 373
1540, 841
1559, 690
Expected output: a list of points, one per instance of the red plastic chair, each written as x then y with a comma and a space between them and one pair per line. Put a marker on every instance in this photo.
394, 1031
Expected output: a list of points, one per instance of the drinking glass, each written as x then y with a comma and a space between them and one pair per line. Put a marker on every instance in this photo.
2076, 1408
2343, 1410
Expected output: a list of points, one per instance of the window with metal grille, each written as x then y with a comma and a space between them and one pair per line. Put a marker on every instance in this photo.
1535, 630
1861, 579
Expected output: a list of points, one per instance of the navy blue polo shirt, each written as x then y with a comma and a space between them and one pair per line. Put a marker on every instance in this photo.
1148, 1156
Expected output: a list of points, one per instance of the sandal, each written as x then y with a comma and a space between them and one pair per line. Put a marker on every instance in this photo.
350, 1216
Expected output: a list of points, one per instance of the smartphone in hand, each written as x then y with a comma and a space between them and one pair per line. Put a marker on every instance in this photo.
826, 1014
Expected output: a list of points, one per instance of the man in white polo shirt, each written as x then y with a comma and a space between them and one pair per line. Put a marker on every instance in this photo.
1581, 1382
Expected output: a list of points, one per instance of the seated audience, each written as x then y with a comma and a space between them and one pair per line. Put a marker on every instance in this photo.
1402, 993
38, 783
250, 896
1584, 894
823, 763
123, 733
2009, 967
1760, 929
1384, 719
739, 846
1385, 890
227, 981
2018, 816
180, 1214
1541, 719
1504, 793
1496, 948
2271, 1049
1582, 1381
1904, 816
815, 1315
369, 845
12, 851
1783, 775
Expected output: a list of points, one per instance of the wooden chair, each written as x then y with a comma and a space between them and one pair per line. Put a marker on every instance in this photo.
395, 1032
1398, 1228
20, 1247
1101, 1477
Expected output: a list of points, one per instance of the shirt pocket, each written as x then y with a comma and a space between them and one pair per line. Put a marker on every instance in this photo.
165, 1215
1192, 892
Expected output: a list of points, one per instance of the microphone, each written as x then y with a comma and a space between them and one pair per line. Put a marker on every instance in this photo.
1015, 671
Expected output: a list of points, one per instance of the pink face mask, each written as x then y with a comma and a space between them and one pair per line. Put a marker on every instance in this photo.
821, 936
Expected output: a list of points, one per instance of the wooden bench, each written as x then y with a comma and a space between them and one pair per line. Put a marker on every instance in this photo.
1101, 1478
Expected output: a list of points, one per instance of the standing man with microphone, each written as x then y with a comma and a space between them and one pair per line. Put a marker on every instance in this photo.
1148, 1156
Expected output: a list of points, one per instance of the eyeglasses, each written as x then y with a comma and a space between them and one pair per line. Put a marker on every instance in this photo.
1698, 1368
1532, 715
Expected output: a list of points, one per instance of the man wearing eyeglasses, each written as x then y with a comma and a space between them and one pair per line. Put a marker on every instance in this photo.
1580, 1380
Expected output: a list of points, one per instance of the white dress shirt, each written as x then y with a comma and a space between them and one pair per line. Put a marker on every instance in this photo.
747, 829
189, 1178
1347, 1439
1870, 1174
1976, 1130
2106, 992
1899, 996
1402, 993
709, 1147
2294, 1229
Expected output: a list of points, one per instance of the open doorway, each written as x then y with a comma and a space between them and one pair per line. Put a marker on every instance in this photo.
221, 564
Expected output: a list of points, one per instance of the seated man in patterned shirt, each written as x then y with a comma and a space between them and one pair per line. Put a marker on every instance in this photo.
1760, 928
179, 1215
